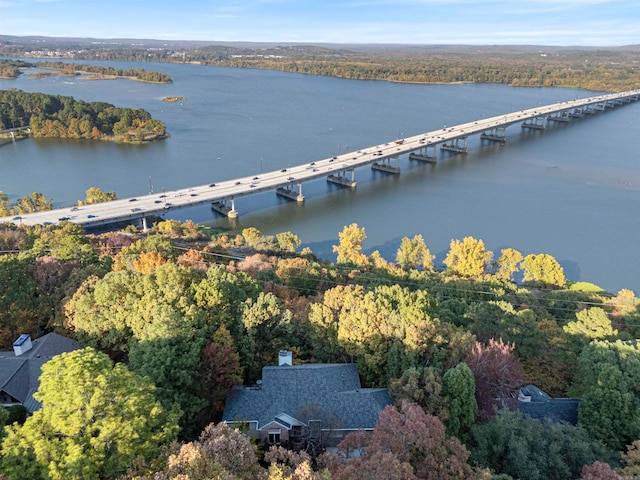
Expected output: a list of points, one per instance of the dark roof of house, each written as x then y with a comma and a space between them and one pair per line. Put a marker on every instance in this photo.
20, 375
542, 406
327, 392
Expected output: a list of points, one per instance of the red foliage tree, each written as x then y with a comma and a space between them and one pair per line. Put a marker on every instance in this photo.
410, 443
497, 372
221, 369
599, 471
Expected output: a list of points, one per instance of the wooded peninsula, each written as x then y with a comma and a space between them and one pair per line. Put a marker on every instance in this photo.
13, 68
64, 117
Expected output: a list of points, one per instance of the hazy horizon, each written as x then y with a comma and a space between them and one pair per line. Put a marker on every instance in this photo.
579, 23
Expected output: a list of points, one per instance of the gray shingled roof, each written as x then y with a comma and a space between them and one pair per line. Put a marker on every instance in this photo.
327, 392
20, 375
543, 406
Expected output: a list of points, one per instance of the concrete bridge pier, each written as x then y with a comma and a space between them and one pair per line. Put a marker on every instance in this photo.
223, 208
496, 134
575, 112
561, 117
341, 178
424, 154
455, 146
386, 167
599, 107
290, 193
536, 123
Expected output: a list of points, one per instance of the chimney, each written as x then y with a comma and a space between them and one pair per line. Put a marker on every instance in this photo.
285, 357
22, 344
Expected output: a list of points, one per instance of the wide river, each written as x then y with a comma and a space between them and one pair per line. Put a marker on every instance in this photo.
571, 191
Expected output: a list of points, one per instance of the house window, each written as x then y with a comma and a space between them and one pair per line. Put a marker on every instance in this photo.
274, 437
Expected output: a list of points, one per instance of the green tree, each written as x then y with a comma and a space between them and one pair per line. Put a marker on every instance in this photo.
460, 388
349, 249
18, 292
528, 449
413, 253
95, 420
265, 321
543, 268
420, 385
608, 378
66, 241
4, 416
590, 324
468, 257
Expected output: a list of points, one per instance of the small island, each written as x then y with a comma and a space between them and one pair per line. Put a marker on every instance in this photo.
56, 116
174, 99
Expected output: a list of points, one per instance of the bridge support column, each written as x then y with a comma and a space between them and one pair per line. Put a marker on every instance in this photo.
575, 112
341, 178
536, 123
290, 193
144, 224
496, 134
562, 117
223, 208
455, 146
386, 167
423, 155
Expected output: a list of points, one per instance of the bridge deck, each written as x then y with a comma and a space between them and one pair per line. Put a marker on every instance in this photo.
154, 204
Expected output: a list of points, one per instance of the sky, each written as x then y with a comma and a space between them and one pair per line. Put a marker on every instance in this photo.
469, 22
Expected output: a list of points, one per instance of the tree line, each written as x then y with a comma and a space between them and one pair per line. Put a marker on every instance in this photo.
598, 69
64, 117
170, 321
98, 70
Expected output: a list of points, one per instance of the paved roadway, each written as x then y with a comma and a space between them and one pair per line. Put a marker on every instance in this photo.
154, 204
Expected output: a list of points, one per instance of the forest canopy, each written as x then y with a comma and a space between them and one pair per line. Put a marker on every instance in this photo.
64, 117
185, 313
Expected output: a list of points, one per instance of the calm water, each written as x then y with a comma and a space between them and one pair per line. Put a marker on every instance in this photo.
570, 191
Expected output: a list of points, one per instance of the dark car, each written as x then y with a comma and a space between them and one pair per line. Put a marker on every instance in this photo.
133, 199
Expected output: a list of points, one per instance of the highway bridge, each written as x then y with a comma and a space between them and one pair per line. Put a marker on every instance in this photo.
339, 169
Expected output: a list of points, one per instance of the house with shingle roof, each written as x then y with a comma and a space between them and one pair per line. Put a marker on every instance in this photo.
20, 369
311, 405
536, 403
